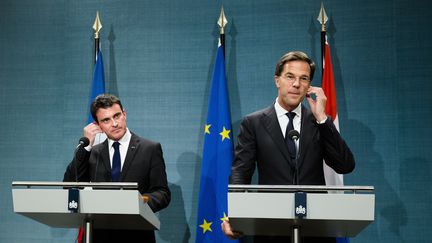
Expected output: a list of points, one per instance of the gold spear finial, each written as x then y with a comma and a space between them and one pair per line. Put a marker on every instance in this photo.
97, 26
222, 20
322, 18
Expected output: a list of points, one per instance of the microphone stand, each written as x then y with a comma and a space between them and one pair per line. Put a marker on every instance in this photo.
295, 135
296, 162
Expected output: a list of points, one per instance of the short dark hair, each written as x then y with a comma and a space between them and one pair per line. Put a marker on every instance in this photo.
103, 101
295, 56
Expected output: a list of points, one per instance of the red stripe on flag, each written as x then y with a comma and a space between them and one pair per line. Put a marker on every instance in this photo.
80, 235
328, 84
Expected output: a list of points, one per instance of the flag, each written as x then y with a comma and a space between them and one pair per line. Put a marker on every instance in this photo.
328, 86
98, 84
216, 159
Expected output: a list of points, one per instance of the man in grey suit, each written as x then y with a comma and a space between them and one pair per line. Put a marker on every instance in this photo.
123, 157
263, 142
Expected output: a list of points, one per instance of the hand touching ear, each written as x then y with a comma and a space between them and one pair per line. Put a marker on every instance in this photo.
91, 130
318, 104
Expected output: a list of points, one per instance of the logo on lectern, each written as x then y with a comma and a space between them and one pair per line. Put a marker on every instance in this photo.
300, 210
300, 206
73, 205
73, 200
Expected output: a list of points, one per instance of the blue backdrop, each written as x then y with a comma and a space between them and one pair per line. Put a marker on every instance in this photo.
158, 58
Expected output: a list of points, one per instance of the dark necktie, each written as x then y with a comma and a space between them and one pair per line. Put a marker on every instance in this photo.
116, 164
289, 142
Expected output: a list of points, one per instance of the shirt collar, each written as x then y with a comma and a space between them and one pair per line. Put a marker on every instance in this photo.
280, 111
125, 139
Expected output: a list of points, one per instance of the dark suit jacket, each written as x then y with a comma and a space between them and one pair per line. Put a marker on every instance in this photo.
261, 143
144, 164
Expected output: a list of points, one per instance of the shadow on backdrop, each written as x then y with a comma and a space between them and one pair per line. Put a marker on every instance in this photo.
390, 212
232, 80
415, 181
314, 39
112, 70
175, 226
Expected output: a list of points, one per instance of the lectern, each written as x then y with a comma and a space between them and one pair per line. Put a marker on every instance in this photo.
332, 211
101, 205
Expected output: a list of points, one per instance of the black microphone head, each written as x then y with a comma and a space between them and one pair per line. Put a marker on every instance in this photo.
84, 141
293, 134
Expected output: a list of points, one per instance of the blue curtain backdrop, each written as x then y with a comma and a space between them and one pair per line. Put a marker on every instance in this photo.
159, 57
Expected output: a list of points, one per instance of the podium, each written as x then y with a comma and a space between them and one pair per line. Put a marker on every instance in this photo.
101, 205
332, 211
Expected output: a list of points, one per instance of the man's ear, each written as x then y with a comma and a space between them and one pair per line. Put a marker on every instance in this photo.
277, 80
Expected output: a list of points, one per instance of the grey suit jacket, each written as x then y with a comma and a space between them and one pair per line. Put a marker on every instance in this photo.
144, 164
261, 144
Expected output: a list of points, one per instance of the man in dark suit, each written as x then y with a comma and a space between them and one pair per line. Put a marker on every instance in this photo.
263, 140
123, 157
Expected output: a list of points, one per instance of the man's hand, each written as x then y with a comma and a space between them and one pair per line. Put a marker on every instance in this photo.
318, 104
226, 228
91, 130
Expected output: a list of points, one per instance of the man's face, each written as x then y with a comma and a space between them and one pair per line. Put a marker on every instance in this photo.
112, 121
293, 84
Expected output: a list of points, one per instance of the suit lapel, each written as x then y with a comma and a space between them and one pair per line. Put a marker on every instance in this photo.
308, 130
104, 153
130, 155
271, 124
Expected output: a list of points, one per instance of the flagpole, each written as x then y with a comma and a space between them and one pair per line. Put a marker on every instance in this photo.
97, 26
322, 18
222, 21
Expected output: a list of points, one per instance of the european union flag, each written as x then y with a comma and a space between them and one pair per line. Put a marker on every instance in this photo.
98, 84
217, 159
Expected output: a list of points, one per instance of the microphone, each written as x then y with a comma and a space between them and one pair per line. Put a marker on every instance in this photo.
83, 142
295, 135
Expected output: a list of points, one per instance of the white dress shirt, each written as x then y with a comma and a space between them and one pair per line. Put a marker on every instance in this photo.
283, 119
124, 145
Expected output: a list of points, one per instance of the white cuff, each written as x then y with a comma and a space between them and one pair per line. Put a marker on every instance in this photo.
323, 121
